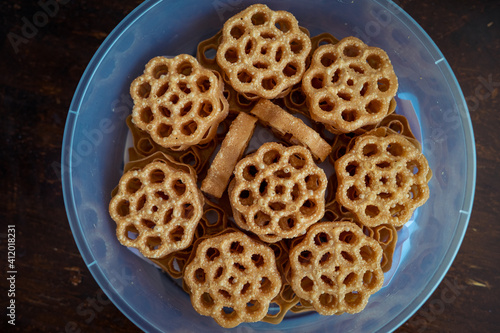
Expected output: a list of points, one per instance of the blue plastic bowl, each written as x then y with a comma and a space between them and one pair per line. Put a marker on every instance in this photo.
95, 136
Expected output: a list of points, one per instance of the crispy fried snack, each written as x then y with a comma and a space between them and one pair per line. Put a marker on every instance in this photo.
178, 102
263, 52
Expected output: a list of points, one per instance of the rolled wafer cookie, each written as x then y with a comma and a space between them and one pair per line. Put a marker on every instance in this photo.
232, 148
291, 128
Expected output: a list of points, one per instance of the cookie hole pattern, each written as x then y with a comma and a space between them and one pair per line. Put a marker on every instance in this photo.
350, 279
306, 284
207, 301
245, 288
326, 104
168, 217
133, 185
250, 172
312, 182
308, 208
353, 299
277, 206
353, 193
364, 89
179, 187
239, 267
203, 84
290, 69
162, 89
287, 223
321, 238
279, 54
370, 150
317, 81
271, 157
336, 76
187, 211
297, 161
123, 208
327, 300
305, 258
164, 130
349, 115
131, 232
259, 18
174, 98
199, 275
231, 55
144, 90
177, 234
265, 285
225, 294
269, 83
186, 108
345, 96
237, 31
327, 59
160, 70
244, 77
262, 219
185, 68
212, 253
283, 25
140, 203
153, 243
395, 149
325, 258
347, 257
383, 84
372, 211
249, 47
351, 51
218, 273
263, 188
367, 253
165, 112
351, 168
326, 280
369, 280
148, 223
296, 46
257, 260
356, 69
374, 106
253, 306
246, 198
189, 128
348, 237
206, 109
374, 61
146, 115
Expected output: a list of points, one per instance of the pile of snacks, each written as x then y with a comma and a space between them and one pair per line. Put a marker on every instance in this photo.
249, 230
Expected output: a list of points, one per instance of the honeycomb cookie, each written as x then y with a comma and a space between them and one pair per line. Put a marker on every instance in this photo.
336, 268
349, 85
232, 278
277, 192
263, 52
157, 208
178, 102
383, 178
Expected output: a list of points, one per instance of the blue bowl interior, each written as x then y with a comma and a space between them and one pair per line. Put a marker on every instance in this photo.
95, 135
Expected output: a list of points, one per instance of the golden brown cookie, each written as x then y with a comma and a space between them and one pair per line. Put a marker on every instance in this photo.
336, 268
349, 85
263, 52
157, 208
178, 102
382, 178
232, 278
277, 192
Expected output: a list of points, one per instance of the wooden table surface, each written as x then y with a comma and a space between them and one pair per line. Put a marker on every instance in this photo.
55, 291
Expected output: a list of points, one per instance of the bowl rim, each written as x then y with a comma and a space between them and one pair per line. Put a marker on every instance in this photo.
126, 308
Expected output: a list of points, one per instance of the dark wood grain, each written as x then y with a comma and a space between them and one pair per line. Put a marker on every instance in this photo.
55, 291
